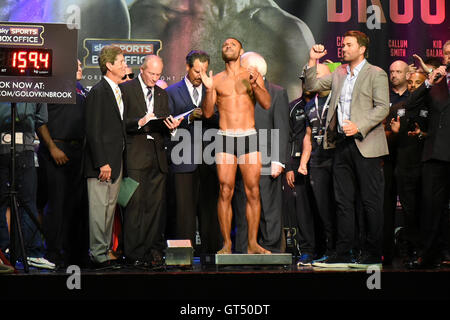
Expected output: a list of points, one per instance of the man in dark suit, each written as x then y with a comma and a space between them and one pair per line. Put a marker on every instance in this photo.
144, 219
186, 160
104, 158
358, 105
273, 133
434, 223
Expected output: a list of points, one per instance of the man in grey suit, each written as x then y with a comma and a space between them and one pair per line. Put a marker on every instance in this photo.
359, 103
273, 134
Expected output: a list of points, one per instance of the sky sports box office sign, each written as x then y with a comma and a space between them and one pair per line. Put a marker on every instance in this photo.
38, 62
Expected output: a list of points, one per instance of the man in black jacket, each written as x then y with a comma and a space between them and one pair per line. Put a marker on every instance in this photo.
105, 145
144, 220
434, 227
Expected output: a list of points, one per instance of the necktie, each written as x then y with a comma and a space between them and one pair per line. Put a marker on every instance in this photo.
149, 100
149, 94
118, 95
195, 95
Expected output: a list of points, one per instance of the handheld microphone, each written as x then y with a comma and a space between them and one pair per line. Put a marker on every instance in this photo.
438, 76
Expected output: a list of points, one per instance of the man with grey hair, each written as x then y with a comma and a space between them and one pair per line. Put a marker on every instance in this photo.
273, 134
147, 164
446, 52
446, 59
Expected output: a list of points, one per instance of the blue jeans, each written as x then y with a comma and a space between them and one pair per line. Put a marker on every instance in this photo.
26, 186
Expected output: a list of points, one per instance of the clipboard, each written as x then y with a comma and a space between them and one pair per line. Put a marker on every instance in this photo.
155, 125
158, 125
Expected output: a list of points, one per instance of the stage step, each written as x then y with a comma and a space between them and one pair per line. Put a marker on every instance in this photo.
254, 259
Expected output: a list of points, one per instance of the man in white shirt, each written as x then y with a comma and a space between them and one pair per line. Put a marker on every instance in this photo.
105, 145
145, 217
359, 103
187, 171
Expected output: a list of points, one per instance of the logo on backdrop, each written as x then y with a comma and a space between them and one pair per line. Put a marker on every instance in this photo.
18, 35
134, 50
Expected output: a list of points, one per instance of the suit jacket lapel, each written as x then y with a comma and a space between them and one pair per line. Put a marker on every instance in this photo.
109, 91
341, 75
360, 78
332, 112
184, 93
157, 102
139, 96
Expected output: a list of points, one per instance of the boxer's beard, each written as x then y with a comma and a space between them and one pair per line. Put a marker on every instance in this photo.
229, 58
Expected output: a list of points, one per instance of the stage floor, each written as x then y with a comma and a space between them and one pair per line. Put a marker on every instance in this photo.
229, 284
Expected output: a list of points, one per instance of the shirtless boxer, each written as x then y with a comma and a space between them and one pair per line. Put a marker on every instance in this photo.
235, 91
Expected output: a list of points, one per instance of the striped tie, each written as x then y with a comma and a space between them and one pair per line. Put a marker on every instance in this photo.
195, 96
118, 95
149, 94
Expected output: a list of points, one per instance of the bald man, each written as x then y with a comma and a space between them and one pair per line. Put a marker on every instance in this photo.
406, 141
274, 136
147, 164
397, 76
398, 93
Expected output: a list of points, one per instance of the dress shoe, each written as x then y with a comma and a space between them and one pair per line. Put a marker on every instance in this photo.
423, 263
366, 261
141, 264
445, 258
106, 265
157, 258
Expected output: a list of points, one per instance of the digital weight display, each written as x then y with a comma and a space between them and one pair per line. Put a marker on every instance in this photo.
27, 62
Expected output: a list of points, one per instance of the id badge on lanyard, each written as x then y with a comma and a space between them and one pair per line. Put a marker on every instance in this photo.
321, 133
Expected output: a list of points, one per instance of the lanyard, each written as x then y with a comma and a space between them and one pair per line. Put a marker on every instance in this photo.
325, 107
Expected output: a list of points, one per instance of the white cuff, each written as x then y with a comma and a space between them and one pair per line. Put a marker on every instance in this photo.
279, 163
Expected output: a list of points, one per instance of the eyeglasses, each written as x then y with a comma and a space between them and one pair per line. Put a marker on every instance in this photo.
129, 75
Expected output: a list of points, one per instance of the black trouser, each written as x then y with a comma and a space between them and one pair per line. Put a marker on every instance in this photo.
144, 218
65, 220
321, 180
186, 191
434, 222
409, 186
389, 206
192, 196
26, 196
299, 213
353, 172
